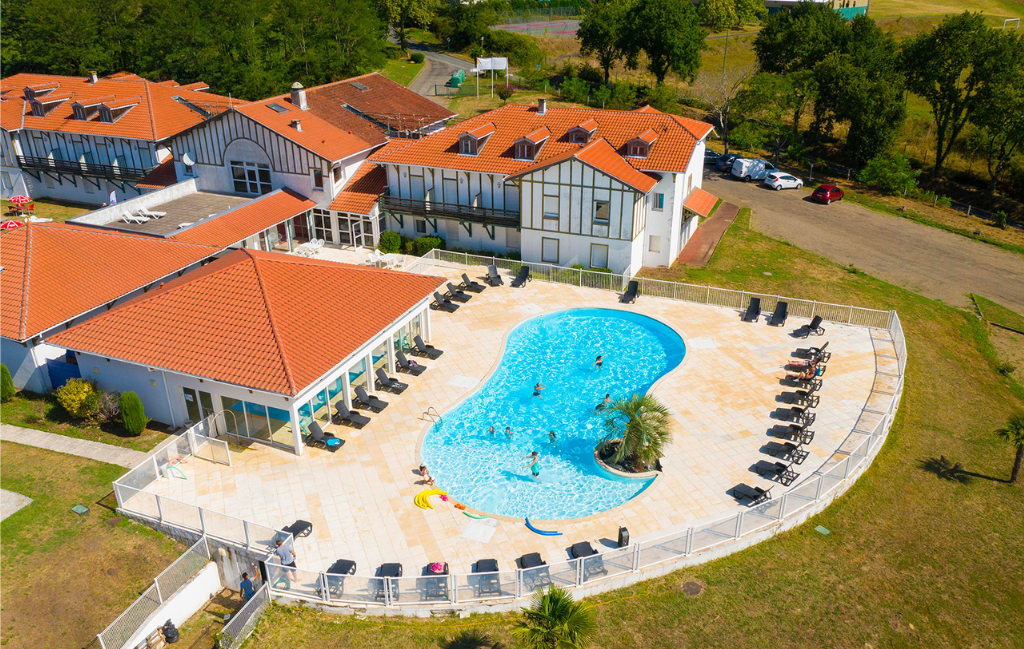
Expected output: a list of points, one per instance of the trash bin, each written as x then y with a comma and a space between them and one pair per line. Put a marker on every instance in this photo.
623, 537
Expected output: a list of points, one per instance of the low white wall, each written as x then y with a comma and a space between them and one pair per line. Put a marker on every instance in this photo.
112, 213
178, 608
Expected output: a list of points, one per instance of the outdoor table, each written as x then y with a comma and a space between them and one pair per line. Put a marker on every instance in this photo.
299, 529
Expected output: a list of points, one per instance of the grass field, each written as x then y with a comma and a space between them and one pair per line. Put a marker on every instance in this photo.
49, 209
912, 8
921, 552
401, 71
65, 576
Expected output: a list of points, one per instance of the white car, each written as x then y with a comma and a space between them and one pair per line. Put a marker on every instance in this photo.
780, 180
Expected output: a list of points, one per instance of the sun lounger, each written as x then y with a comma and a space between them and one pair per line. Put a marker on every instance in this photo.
591, 558
373, 403
793, 452
457, 294
780, 314
485, 580
818, 354
794, 432
813, 328
317, 437
436, 583
392, 570
390, 384
534, 571
345, 415
798, 415
336, 574
470, 285
153, 215
405, 365
441, 302
801, 398
629, 296
493, 278
128, 217
423, 349
753, 310
522, 277
780, 470
755, 494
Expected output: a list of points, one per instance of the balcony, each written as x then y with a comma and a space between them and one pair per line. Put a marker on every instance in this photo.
82, 168
484, 215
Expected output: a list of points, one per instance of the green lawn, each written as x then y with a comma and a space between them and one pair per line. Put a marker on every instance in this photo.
922, 552
65, 576
50, 209
998, 313
401, 71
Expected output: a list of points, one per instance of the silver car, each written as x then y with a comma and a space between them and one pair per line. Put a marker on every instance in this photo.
780, 180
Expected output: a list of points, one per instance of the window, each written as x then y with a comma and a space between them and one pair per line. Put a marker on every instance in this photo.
318, 179
551, 207
638, 150
337, 173
598, 256
601, 212
658, 202
189, 171
549, 251
322, 226
421, 226
524, 152
452, 231
654, 243
251, 178
468, 146
580, 136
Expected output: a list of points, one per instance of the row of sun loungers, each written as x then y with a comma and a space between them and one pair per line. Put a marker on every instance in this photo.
778, 317
140, 215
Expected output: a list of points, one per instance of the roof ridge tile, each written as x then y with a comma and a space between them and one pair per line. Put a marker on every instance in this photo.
285, 366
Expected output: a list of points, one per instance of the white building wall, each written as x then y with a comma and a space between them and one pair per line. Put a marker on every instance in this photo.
27, 363
576, 249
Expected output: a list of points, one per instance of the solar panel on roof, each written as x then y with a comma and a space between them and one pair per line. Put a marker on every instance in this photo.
278, 108
359, 86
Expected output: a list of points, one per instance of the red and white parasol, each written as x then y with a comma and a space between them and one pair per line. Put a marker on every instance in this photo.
10, 225
20, 200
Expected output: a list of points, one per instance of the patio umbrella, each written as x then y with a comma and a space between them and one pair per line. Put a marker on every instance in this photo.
20, 200
10, 225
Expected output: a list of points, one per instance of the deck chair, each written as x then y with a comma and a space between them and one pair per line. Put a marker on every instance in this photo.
814, 327
782, 471
153, 215
793, 452
493, 278
629, 296
128, 217
317, 437
780, 314
485, 579
336, 574
815, 353
753, 310
405, 365
522, 277
755, 494
373, 403
470, 285
801, 398
591, 566
457, 294
424, 349
794, 432
390, 384
346, 416
441, 302
534, 571
435, 583
798, 415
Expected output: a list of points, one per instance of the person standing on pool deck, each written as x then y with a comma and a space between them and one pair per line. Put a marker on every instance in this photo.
537, 388
533, 464
599, 361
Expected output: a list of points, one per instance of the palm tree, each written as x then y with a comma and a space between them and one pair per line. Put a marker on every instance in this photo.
1013, 432
556, 621
642, 423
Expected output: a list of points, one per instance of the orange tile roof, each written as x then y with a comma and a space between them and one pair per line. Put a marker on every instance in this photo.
163, 175
700, 201
158, 114
53, 272
648, 136
246, 220
601, 156
671, 153
248, 319
318, 135
362, 190
482, 131
539, 135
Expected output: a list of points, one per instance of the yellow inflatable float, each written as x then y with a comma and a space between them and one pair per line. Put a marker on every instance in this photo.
421, 499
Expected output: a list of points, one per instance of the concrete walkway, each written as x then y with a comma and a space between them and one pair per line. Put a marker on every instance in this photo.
81, 447
700, 247
11, 502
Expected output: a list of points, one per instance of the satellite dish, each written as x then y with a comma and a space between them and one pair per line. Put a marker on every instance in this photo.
187, 160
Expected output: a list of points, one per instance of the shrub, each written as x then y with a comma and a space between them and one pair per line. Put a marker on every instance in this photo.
6, 384
520, 50
578, 266
417, 57
106, 407
390, 242
624, 95
1001, 220
889, 174
576, 90
662, 97
505, 92
602, 95
423, 245
76, 396
590, 74
133, 415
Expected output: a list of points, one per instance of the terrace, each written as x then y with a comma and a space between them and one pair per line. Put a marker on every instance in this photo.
182, 212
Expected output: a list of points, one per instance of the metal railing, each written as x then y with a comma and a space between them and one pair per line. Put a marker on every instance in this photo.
164, 586
504, 218
244, 621
82, 168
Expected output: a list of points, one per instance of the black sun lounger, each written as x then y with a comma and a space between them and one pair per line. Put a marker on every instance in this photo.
629, 296
436, 583
793, 452
441, 302
591, 558
780, 470
373, 403
317, 437
780, 314
755, 494
470, 285
815, 353
534, 576
522, 277
457, 294
389, 383
797, 415
813, 328
485, 579
493, 278
753, 310
424, 349
794, 432
801, 398
405, 365
346, 416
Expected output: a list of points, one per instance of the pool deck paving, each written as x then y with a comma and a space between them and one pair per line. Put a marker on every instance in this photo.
721, 397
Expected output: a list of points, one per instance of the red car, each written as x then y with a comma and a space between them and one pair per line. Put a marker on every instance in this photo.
826, 194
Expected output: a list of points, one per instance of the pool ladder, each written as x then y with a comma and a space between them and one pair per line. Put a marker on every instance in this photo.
431, 414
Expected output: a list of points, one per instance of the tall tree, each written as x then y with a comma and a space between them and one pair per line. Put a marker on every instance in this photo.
717, 89
717, 15
768, 100
950, 68
1000, 112
669, 33
599, 33
400, 14
1013, 434
800, 38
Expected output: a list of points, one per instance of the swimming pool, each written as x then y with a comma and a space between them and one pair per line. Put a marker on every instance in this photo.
487, 472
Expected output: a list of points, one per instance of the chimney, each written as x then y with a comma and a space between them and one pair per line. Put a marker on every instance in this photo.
542, 106
299, 96
297, 125
93, 77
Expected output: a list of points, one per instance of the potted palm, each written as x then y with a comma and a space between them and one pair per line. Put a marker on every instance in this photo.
637, 430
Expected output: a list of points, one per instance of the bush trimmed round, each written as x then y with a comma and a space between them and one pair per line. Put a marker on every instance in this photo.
6, 384
133, 415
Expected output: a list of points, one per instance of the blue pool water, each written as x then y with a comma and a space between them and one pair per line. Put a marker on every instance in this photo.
487, 472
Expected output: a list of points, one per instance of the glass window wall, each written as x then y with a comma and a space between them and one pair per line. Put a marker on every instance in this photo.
280, 422
357, 376
256, 418
380, 356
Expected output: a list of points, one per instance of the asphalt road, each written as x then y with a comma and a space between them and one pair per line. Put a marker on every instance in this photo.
927, 260
438, 68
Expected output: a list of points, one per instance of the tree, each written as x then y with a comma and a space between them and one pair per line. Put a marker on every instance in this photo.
800, 38
599, 33
1013, 433
717, 90
555, 620
6, 384
889, 174
951, 67
716, 15
133, 415
668, 32
1000, 114
400, 13
767, 100
642, 423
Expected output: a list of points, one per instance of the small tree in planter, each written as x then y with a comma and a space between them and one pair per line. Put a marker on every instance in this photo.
133, 415
637, 432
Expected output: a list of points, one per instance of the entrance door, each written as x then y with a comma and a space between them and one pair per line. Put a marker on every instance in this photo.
198, 404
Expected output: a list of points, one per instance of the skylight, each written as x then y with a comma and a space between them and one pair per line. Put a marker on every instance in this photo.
359, 86
277, 108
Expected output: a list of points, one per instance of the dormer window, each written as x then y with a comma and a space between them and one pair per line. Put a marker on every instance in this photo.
40, 90
112, 111
468, 146
638, 150
529, 146
43, 105
524, 151
640, 147
472, 142
581, 134
86, 109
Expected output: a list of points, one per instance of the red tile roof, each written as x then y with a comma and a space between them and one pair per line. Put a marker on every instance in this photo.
700, 201
361, 192
158, 114
670, 153
249, 319
54, 272
482, 131
601, 156
163, 175
539, 135
318, 135
246, 220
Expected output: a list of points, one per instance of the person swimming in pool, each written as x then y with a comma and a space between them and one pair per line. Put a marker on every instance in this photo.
604, 403
599, 361
508, 432
537, 388
551, 435
491, 431
533, 464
